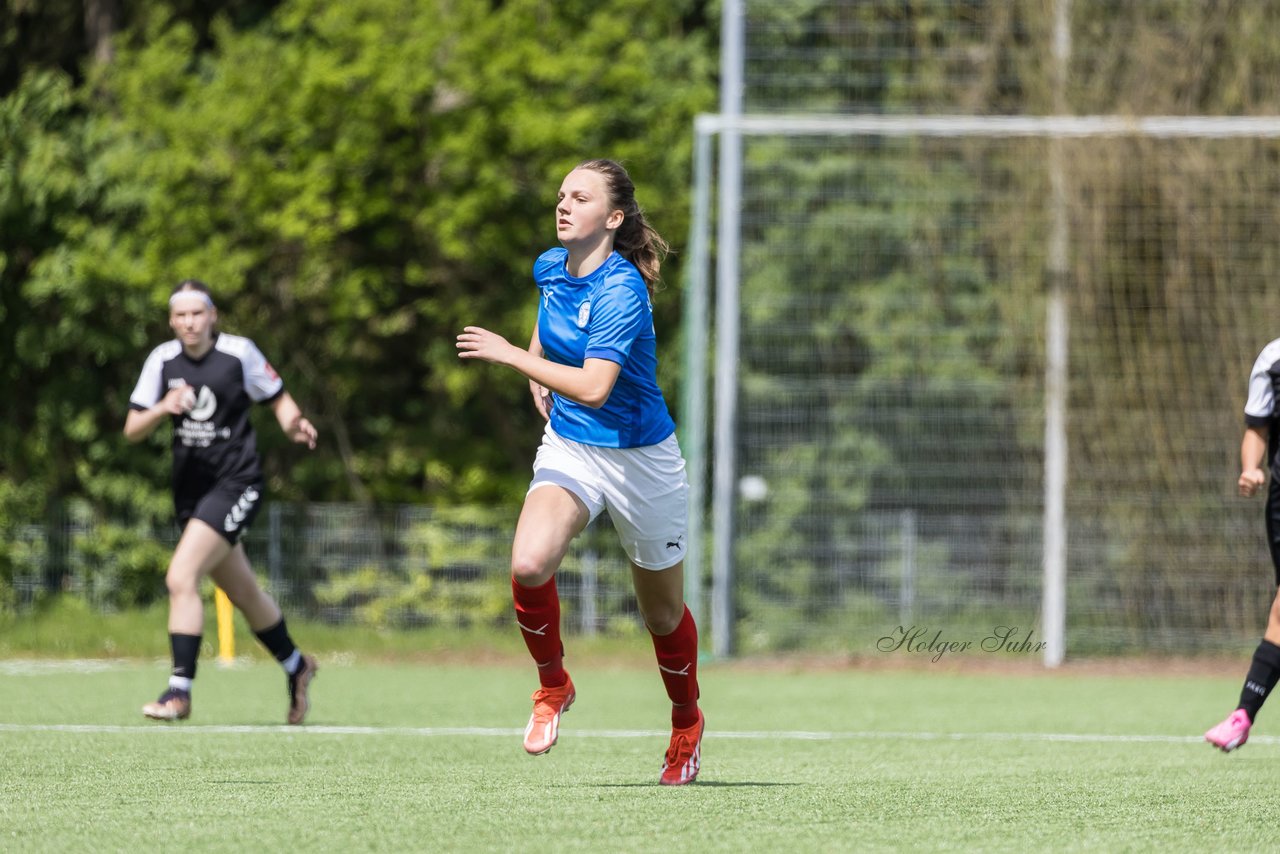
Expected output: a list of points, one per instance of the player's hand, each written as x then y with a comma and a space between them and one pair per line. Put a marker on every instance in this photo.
1251, 480
477, 343
541, 399
304, 433
178, 400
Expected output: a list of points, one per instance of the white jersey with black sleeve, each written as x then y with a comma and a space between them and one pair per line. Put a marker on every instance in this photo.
214, 442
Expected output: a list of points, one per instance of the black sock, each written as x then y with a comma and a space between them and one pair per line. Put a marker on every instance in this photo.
185, 649
1264, 673
277, 641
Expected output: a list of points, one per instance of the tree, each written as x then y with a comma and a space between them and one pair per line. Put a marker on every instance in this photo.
356, 182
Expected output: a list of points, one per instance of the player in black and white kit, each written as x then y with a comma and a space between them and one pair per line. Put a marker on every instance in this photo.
205, 383
1261, 444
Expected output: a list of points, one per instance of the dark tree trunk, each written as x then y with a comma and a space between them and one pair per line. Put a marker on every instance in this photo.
101, 20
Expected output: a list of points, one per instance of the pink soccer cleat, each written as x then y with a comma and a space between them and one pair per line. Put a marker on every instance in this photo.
1231, 733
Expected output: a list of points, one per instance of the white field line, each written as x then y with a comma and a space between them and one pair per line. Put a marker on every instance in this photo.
52, 667
37, 667
504, 732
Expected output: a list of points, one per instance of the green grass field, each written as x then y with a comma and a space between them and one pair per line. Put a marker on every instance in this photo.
423, 757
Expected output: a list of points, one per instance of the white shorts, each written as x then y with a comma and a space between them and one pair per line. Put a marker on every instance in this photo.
644, 489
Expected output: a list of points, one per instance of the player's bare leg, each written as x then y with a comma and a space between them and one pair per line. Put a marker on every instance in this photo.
234, 575
199, 550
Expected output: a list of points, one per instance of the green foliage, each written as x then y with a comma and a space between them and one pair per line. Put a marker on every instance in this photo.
60, 331
448, 576
118, 566
380, 599
357, 182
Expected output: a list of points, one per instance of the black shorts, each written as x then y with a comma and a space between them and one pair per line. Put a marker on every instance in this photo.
228, 508
1273, 526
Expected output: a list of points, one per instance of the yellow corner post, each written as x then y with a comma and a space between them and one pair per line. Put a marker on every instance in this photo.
226, 627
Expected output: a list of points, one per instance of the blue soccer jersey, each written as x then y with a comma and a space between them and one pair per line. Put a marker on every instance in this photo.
606, 315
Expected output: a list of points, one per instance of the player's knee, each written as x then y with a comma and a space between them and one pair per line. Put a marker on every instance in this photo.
663, 619
530, 571
181, 583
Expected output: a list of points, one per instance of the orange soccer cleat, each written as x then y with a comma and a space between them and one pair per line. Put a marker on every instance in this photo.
684, 755
544, 724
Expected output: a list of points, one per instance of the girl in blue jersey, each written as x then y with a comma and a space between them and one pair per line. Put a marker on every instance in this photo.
205, 382
609, 443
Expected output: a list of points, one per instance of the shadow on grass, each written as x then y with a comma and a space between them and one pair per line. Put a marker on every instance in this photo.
700, 784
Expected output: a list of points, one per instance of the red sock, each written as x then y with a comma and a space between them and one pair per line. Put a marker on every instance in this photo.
538, 615
678, 664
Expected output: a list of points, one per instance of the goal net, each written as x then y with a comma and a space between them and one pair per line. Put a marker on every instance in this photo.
889, 442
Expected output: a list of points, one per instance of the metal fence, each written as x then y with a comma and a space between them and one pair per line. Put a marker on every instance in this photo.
375, 566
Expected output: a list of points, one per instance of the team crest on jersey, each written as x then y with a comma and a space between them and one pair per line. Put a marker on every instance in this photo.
206, 405
584, 314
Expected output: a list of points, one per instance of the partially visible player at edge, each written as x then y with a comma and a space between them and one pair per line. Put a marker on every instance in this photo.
1260, 442
205, 382
609, 442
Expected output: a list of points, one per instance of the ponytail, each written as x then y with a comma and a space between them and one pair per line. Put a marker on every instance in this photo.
635, 240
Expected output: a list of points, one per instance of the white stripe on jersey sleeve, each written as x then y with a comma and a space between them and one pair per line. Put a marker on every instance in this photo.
147, 392
260, 379
1261, 403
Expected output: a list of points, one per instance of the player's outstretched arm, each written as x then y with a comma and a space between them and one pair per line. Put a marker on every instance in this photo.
294, 425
